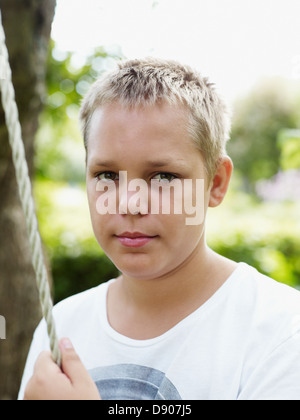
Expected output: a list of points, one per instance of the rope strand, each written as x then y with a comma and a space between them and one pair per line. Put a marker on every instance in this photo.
25, 191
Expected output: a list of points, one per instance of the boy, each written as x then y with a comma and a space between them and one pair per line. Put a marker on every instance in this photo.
181, 322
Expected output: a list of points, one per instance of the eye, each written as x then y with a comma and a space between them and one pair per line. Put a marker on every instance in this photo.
164, 177
107, 176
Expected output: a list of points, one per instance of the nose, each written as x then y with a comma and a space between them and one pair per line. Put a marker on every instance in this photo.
133, 195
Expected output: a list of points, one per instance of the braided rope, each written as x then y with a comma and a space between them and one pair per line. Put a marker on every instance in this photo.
24, 185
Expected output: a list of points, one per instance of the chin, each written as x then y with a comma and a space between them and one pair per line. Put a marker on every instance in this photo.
137, 266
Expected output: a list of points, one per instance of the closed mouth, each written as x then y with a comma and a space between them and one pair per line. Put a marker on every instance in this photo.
135, 239
134, 235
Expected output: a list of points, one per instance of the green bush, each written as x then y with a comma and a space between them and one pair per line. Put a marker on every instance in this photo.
276, 257
73, 275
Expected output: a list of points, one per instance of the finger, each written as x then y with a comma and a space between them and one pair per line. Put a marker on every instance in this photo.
45, 372
46, 364
71, 363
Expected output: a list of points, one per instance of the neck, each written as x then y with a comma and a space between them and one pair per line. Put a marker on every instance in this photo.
190, 284
146, 308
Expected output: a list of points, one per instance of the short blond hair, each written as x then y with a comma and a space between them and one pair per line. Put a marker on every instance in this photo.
151, 81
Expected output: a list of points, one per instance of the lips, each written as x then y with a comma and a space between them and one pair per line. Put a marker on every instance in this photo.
134, 239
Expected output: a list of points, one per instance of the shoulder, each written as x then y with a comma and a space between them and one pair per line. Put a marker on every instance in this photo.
274, 305
272, 335
75, 316
80, 302
72, 313
267, 290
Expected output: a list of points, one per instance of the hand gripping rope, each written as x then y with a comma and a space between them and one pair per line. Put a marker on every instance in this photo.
24, 185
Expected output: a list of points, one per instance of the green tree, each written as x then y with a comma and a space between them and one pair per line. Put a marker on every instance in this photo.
59, 143
257, 121
289, 143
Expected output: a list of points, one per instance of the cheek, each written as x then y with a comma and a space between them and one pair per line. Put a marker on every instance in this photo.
177, 235
178, 245
98, 221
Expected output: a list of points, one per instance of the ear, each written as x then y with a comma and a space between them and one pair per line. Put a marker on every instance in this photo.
221, 181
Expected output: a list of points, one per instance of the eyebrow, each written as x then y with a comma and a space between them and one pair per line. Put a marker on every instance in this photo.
158, 163
148, 163
104, 163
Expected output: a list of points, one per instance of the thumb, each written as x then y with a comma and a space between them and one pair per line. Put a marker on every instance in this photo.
71, 364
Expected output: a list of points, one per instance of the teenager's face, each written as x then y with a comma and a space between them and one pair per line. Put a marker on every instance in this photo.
150, 144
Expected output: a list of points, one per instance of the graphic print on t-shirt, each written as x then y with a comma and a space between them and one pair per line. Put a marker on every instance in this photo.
133, 382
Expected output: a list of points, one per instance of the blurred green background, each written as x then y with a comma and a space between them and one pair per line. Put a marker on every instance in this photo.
259, 221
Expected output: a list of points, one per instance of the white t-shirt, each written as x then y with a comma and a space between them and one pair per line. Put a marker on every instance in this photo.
241, 344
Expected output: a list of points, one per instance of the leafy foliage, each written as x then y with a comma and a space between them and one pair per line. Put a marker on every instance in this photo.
264, 235
67, 83
258, 119
289, 143
59, 145
74, 274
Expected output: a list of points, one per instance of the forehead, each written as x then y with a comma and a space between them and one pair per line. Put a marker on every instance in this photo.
136, 132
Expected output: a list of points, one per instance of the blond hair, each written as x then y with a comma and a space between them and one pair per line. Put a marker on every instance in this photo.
151, 81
